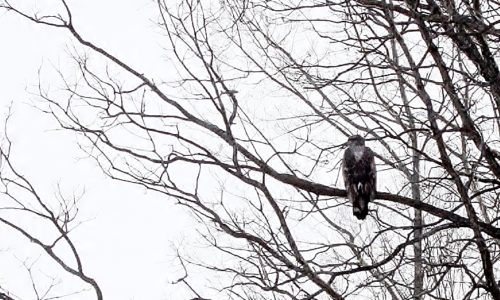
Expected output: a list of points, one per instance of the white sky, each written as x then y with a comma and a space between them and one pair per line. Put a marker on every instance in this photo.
126, 241
128, 235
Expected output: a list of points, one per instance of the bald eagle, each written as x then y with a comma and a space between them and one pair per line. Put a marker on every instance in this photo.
360, 177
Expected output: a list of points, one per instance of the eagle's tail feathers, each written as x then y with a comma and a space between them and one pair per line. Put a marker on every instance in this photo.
360, 200
360, 207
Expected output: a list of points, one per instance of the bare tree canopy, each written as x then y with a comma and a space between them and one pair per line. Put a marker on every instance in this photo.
245, 129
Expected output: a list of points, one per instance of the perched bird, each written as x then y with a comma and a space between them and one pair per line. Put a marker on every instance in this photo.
360, 175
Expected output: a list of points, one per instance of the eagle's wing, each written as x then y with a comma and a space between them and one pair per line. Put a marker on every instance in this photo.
345, 167
371, 171
347, 172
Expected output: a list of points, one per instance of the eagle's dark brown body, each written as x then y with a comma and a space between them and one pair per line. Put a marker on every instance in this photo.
360, 177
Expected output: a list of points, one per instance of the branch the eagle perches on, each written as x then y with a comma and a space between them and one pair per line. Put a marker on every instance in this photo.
320, 189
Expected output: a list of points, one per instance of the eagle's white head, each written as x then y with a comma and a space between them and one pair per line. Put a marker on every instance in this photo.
357, 145
355, 140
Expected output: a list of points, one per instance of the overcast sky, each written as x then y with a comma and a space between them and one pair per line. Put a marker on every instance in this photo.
128, 235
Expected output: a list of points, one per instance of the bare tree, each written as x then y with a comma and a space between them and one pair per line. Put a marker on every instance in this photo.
249, 139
